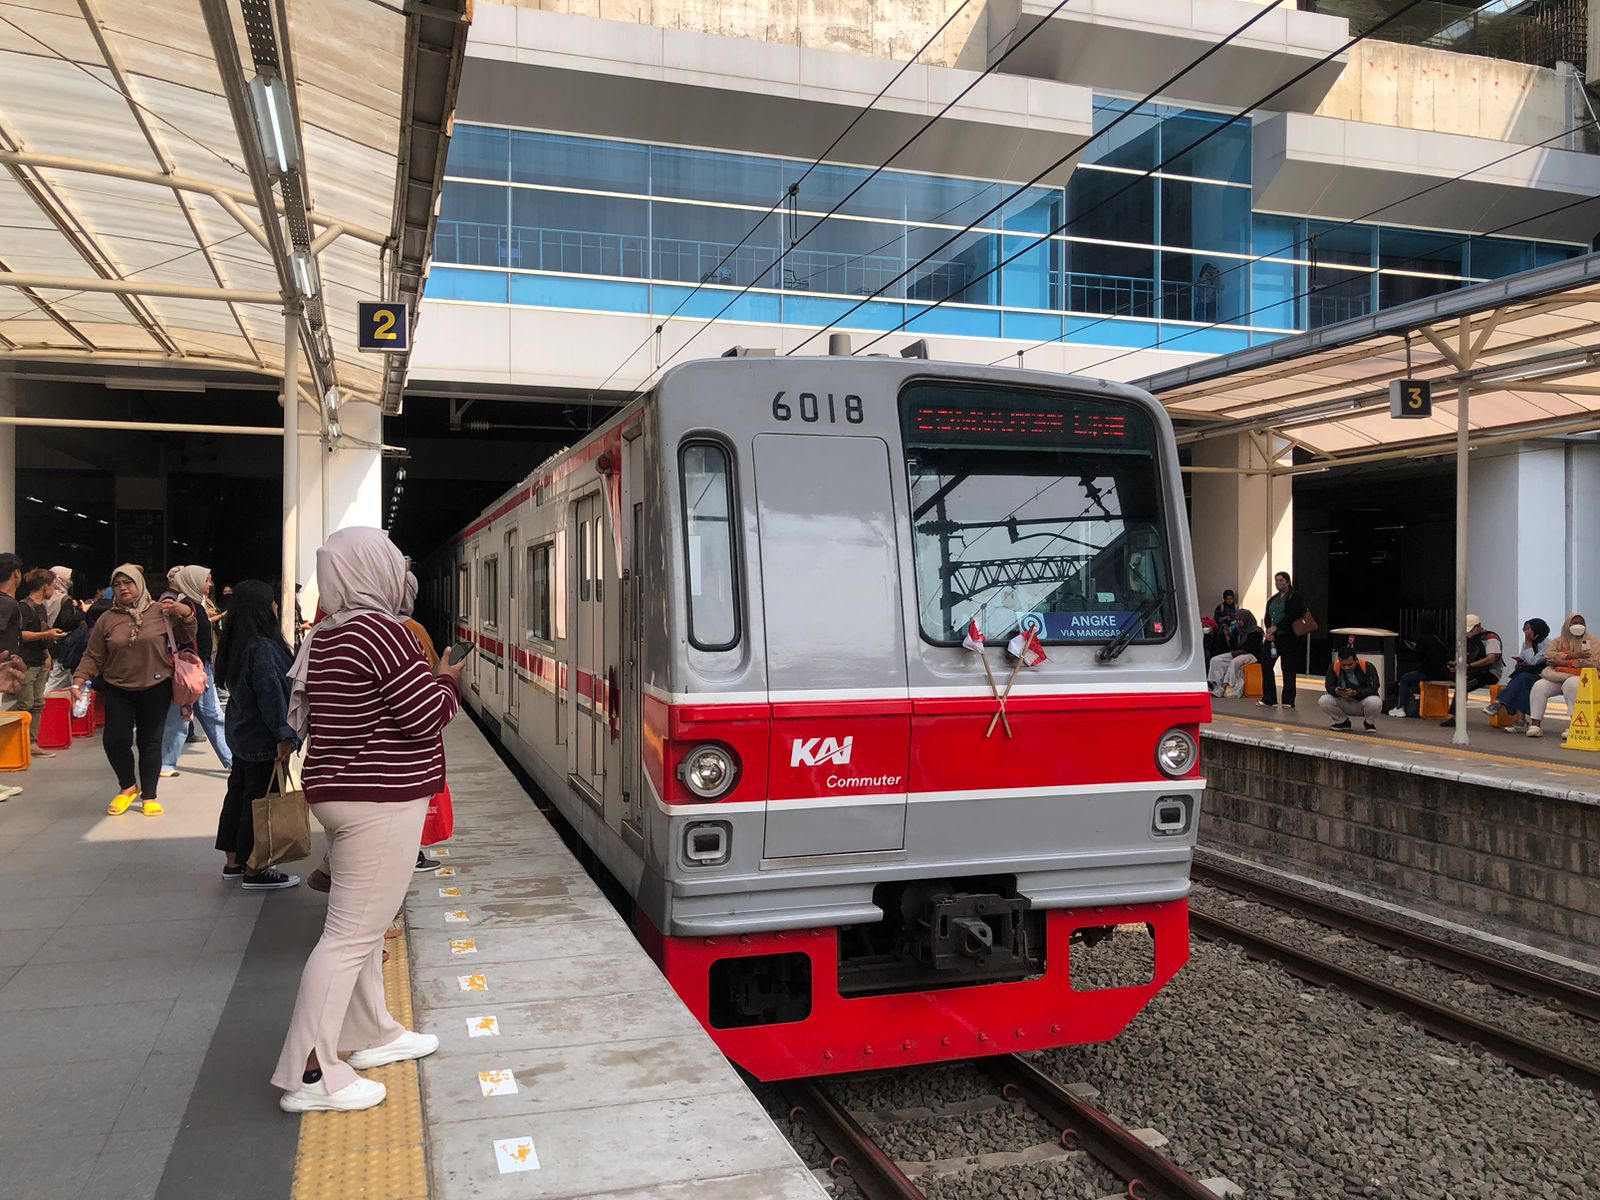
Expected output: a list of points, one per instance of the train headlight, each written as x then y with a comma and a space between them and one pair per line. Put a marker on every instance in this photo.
708, 771
1176, 753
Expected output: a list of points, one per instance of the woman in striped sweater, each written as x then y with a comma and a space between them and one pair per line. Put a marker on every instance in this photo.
373, 713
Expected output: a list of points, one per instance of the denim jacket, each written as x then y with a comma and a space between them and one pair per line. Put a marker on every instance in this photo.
258, 702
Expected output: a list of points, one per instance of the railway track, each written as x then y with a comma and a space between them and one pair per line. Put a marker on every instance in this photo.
1145, 1173
1556, 993
1525, 1054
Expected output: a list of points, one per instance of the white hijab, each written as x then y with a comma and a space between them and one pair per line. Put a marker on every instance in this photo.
52, 606
408, 602
359, 571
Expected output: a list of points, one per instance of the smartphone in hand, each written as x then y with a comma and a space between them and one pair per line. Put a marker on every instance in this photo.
458, 651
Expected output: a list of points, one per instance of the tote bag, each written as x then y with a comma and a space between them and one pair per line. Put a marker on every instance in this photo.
188, 673
282, 821
441, 820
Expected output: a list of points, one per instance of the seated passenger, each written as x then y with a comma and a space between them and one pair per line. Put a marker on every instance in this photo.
1225, 676
1434, 655
1565, 658
1514, 693
1483, 660
1352, 690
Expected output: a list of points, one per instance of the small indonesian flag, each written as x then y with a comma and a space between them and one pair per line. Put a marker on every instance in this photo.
1025, 646
974, 639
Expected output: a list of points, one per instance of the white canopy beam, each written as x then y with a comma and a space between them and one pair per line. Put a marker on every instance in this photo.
134, 287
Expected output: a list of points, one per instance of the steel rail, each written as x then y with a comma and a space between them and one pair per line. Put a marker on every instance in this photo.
1554, 993
873, 1171
1522, 1053
1148, 1174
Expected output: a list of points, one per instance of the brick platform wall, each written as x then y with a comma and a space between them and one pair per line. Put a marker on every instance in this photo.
1522, 865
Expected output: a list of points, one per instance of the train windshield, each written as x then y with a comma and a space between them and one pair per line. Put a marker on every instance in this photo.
1035, 510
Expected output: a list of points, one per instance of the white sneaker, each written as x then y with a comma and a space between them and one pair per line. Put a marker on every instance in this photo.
315, 1097
1397, 712
407, 1045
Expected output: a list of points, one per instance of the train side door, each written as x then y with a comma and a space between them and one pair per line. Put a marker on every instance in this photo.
632, 635
587, 673
513, 625
474, 619
836, 658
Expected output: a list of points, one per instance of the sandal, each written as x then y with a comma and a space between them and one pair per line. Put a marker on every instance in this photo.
152, 808
122, 802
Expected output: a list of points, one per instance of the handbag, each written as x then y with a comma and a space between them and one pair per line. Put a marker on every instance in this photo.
188, 673
1304, 624
1558, 674
440, 824
282, 820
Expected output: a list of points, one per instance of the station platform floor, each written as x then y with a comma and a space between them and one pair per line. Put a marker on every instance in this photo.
1493, 756
143, 1001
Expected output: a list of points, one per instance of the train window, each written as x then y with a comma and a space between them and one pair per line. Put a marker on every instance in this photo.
1035, 510
583, 563
537, 592
708, 551
463, 594
489, 576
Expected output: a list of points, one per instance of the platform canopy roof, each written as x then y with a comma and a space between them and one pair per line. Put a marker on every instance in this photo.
144, 231
1527, 347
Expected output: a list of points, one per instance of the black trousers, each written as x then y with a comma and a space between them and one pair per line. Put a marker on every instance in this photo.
136, 719
236, 827
1291, 650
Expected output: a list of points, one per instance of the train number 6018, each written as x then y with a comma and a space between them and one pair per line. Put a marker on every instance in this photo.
813, 409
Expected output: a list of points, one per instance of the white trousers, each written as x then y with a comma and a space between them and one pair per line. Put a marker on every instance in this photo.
1227, 672
1543, 690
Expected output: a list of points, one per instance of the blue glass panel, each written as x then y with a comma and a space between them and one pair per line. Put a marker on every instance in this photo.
1205, 216
589, 235
1198, 339
1409, 250
1265, 339
957, 322
1340, 245
961, 272
878, 314
707, 303
1091, 331
452, 283
1196, 287
702, 245
1546, 253
472, 225
479, 152
1034, 327
821, 311
601, 295
1134, 141
580, 162
953, 201
1495, 258
706, 175
852, 258
1280, 237
1220, 151
827, 186
1274, 298
1038, 210
1030, 279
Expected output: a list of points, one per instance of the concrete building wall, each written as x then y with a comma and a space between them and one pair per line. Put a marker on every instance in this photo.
1241, 533
1386, 83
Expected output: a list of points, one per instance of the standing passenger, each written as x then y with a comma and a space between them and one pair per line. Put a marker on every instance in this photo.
253, 663
1284, 608
374, 714
128, 660
10, 618
191, 584
37, 638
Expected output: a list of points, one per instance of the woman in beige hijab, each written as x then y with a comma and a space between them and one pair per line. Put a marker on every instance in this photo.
192, 583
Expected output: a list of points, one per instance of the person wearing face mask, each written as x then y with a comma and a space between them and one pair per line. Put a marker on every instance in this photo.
1565, 658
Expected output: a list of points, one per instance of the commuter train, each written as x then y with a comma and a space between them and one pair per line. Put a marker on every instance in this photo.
729, 634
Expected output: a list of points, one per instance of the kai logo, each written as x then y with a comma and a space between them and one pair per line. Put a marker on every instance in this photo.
813, 752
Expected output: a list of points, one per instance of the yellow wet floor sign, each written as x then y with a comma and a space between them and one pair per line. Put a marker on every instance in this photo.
1583, 732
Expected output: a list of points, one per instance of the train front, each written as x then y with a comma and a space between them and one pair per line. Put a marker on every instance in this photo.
934, 795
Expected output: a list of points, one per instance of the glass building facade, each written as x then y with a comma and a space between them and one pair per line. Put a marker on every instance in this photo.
1113, 258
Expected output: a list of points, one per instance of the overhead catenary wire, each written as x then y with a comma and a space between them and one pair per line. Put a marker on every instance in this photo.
792, 190
874, 173
1292, 247
1148, 173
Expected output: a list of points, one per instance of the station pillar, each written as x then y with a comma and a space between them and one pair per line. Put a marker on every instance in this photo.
8, 466
1242, 524
341, 483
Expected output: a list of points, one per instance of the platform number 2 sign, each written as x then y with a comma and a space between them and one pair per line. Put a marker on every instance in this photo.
383, 327
1410, 399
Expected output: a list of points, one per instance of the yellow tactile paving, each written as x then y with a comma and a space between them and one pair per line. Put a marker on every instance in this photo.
376, 1154
1455, 751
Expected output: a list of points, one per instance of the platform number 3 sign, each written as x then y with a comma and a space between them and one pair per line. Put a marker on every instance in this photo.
1410, 399
383, 327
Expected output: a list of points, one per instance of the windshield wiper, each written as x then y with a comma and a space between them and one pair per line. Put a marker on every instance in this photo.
1134, 628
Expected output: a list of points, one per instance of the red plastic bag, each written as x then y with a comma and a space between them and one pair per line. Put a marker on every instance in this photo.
441, 822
